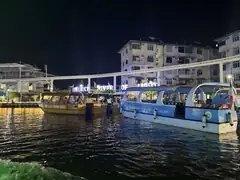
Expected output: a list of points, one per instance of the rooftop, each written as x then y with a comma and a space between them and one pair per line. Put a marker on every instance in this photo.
226, 36
14, 67
159, 41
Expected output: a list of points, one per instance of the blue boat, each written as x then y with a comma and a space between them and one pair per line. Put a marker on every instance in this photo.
209, 107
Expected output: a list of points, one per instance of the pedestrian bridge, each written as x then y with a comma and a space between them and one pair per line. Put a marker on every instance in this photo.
219, 62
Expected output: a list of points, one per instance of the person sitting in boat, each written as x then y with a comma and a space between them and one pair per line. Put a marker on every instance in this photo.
109, 100
65, 100
101, 99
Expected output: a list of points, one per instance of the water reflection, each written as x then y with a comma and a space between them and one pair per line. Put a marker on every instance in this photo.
116, 147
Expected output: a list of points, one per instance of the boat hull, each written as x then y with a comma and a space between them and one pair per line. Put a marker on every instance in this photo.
98, 109
183, 123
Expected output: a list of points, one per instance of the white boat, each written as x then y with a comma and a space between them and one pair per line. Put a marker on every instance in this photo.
206, 107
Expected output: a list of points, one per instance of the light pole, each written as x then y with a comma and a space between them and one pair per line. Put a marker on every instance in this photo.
231, 92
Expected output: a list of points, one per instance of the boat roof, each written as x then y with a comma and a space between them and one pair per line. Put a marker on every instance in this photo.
158, 88
184, 89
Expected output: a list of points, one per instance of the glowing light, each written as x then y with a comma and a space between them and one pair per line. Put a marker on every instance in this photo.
104, 87
229, 76
124, 86
81, 88
150, 84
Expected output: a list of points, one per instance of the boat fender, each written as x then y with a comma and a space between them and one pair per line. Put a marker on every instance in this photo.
121, 110
155, 113
204, 120
135, 113
229, 118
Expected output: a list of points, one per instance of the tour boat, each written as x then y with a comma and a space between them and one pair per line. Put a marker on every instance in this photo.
205, 107
72, 103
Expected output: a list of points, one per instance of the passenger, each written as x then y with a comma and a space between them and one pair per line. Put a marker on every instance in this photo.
109, 100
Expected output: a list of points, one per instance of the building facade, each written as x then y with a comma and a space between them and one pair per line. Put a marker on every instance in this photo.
229, 46
136, 55
21, 71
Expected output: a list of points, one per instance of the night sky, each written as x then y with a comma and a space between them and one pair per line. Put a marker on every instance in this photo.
83, 37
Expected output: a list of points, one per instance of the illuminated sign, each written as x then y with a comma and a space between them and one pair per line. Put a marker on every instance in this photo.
81, 88
104, 88
124, 86
150, 84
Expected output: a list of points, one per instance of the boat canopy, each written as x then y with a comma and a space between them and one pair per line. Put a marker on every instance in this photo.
204, 87
160, 88
210, 87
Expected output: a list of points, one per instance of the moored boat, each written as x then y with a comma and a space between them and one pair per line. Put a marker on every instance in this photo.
206, 107
72, 103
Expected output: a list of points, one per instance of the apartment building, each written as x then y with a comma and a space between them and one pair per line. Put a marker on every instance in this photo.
136, 55
229, 45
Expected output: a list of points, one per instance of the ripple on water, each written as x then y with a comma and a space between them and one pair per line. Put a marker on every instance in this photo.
116, 148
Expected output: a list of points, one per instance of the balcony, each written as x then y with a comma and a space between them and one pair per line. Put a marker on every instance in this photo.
185, 73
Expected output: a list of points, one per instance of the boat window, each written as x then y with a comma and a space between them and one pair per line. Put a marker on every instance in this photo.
73, 99
63, 99
55, 99
132, 96
46, 97
149, 97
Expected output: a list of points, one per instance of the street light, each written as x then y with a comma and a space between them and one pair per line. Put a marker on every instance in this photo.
229, 77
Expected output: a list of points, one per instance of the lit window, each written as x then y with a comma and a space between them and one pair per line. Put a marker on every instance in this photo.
150, 47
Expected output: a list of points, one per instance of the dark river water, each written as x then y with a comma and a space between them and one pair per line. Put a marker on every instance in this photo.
116, 148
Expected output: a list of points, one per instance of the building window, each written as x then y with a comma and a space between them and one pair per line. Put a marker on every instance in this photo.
125, 69
182, 81
222, 43
224, 67
181, 49
237, 77
126, 51
235, 50
188, 49
136, 46
150, 79
169, 48
236, 64
235, 38
150, 59
169, 82
169, 60
199, 51
135, 58
187, 71
215, 72
126, 61
223, 54
150, 47
186, 61
199, 72
135, 68
138, 80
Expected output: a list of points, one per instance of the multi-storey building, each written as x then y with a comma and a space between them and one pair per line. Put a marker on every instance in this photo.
137, 55
229, 45
20, 71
